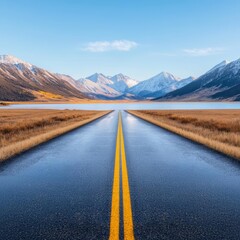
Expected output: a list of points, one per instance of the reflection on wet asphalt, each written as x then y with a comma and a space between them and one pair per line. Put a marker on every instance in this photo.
179, 189
62, 189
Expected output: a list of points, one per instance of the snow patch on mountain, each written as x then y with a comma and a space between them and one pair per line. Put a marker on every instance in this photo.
116, 85
8, 59
100, 78
220, 82
219, 66
88, 86
234, 66
161, 83
122, 82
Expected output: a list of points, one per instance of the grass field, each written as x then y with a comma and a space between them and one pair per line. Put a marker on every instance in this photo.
217, 129
3, 104
23, 129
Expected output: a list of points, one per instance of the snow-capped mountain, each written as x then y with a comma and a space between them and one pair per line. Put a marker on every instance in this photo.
66, 78
98, 85
158, 85
184, 82
96, 89
122, 82
22, 81
222, 82
8, 59
219, 66
100, 79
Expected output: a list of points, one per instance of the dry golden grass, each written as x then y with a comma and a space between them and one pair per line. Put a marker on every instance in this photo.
217, 129
49, 95
22, 129
4, 103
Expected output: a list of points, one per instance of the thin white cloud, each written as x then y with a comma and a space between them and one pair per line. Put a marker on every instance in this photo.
196, 52
164, 54
105, 46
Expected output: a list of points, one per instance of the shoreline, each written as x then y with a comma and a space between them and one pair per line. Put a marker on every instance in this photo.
7, 103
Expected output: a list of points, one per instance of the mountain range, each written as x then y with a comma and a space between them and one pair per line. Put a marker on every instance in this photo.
101, 86
158, 85
222, 82
22, 81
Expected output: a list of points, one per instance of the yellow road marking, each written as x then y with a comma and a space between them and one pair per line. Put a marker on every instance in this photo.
115, 210
127, 208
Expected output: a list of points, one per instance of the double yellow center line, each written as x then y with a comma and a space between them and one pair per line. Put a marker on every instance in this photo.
120, 160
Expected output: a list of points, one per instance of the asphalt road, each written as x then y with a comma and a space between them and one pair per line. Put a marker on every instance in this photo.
61, 189
120, 179
179, 189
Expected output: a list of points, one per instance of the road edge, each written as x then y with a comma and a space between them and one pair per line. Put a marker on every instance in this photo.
214, 145
13, 150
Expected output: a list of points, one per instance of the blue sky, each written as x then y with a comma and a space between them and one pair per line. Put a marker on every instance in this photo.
139, 38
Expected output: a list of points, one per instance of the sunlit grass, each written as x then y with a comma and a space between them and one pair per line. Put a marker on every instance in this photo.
217, 129
50, 95
3, 104
23, 129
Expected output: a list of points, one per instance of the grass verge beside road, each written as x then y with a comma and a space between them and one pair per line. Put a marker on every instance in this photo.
21, 130
217, 129
4, 104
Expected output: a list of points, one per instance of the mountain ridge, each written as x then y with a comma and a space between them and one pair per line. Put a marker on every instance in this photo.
222, 82
22, 81
158, 85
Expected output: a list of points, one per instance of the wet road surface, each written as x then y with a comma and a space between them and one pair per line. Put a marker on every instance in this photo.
179, 189
63, 189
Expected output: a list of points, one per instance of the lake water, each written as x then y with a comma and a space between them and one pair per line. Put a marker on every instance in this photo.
132, 106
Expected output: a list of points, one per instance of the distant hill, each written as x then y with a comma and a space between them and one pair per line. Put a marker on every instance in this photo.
21, 81
158, 85
100, 86
222, 82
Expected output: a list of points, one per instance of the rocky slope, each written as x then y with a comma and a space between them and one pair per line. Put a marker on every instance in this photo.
222, 82
21, 81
